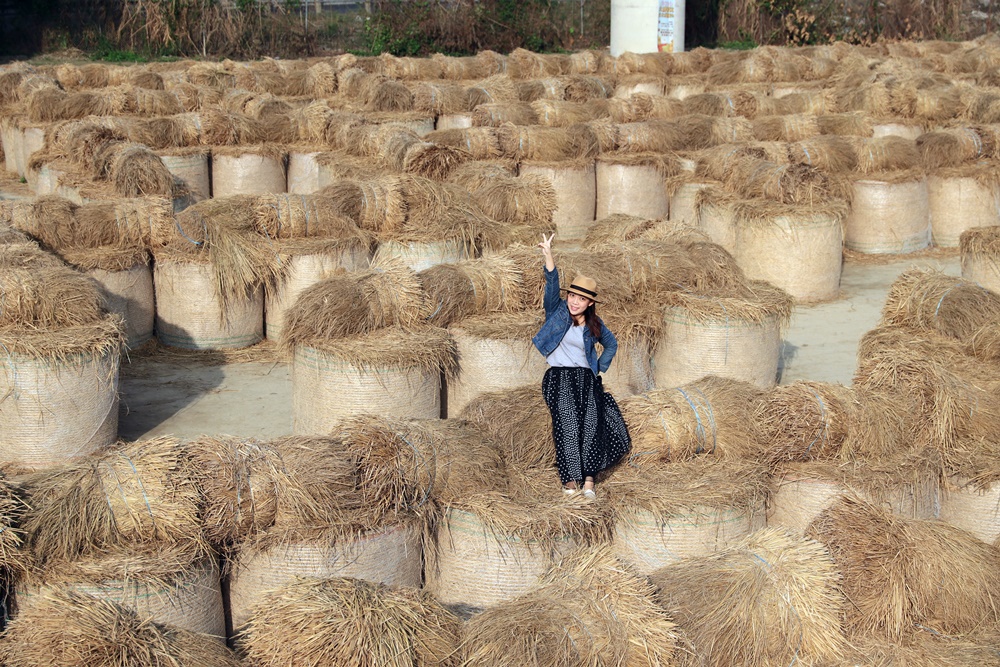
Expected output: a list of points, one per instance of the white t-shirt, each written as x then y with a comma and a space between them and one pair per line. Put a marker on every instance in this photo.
570, 351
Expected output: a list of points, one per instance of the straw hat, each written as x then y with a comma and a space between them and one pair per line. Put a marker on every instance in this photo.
584, 286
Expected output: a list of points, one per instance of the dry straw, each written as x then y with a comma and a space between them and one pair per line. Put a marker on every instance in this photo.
890, 153
136, 171
350, 622
830, 153
949, 397
497, 113
589, 609
247, 486
47, 296
785, 128
518, 421
68, 629
545, 144
425, 348
581, 88
955, 147
806, 420
786, 183
925, 299
355, 303
131, 497
903, 574
773, 599
375, 204
281, 216
528, 200
474, 287
752, 301
481, 142
610, 270
439, 97
432, 160
524, 64
713, 416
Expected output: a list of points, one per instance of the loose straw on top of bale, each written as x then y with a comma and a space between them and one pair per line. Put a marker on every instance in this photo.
68, 629
545, 144
108, 258
751, 300
713, 416
425, 348
481, 142
497, 113
247, 486
439, 97
589, 609
376, 204
927, 649
954, 147
829, 153
616, 228
345, 621
806, 420
949, 397
560, 113
889, 153
786, 183
929, 299
845, 124
773, 599
518, 421
610, 270
491, 284
282, 216
900, 574
138, 172
431, 160
410, 464
358, 302
791, 127
130, 496
48, 297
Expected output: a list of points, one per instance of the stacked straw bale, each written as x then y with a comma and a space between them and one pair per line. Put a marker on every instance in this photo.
350, 622
979, 250
770, 599
590, 608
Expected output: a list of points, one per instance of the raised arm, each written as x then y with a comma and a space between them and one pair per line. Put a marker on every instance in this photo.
551, 301
546, 246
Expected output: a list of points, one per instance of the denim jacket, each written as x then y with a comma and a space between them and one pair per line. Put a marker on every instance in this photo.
557, 323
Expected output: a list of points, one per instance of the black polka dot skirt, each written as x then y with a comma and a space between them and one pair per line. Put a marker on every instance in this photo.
588, 429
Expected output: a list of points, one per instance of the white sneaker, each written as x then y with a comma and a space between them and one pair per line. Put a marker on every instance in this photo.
589, 494
570, 492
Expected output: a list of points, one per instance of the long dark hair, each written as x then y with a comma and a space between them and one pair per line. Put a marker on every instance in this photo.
592, 321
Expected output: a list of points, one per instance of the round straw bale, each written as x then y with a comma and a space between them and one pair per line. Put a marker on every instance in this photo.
797, 248
493, 545
190, 171
889, 214
545, 144
491, 284
48, 297
954, 147
354, 622
829, 153
770, 599
682, 510
806, 420
736, 336
713, 416
575, 186
387, 295
524, 64
901, 574
580, 88
391, 370
980, 247
131, 495
590, 608
439, 98
389, 554
961, 198
889, 153
222, 128
846, 124
497, 113
928, 299
518, 421
785, 128
137, 172
621, 177
481, 142
529, 200
66, 629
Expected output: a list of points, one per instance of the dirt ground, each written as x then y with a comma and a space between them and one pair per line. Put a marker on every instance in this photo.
164, 393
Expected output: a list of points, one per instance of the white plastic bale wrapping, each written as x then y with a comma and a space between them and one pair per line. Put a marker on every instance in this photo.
247, 174
983, 269
32, 140
651, 87
453, 121
420, 126
304, 271
802, 256
719, 223
192, 170
690, 348
797, 499
192, 602
888, 218
420, 256
957, 204
129, 293
303, 173
576, 197
631, 371
46, 181
649, 543
897, 130
326, 390
632, 189
190, 314
682, 203
392, 556
973, 509
477, 568
489, 364
52, 411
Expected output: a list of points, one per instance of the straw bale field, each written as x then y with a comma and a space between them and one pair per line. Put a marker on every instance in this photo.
268, 396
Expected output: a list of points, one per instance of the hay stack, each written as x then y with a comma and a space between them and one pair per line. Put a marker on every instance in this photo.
906, 485
350, 622
190, 169
805, 421
493, 545
769, 600
575, 186
901, 574
714, 416
925, 299
518, 421
495, 353
961, 198
730, 332
680, 510
525, 201
955, 147
980, 250
491, 284
621, 177
889, 213
68, 629
248, 170
795, 247
829, 152
589, 609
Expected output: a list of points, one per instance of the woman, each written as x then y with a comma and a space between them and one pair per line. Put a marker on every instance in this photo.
589, 433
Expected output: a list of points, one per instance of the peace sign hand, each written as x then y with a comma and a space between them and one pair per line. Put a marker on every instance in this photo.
546, 244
